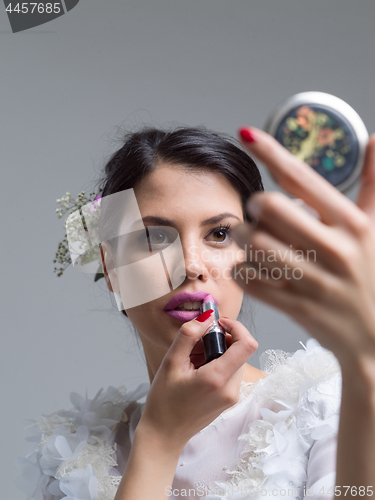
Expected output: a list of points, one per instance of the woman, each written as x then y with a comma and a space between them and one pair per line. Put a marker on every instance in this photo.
200, 419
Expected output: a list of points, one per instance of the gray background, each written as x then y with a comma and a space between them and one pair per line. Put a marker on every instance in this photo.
65, 88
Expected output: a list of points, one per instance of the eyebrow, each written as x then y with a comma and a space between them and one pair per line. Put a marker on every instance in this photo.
161, 221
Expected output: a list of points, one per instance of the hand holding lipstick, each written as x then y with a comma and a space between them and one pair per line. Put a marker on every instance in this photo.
182, 399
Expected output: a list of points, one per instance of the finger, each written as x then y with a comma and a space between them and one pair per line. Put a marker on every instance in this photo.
243, 347
290, 224
270, 260
186, 338
228, 339
366, 195
299, 179
286, 299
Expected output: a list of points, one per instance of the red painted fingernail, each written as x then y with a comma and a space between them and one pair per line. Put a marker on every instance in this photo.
202, 317
247, 136
226, 317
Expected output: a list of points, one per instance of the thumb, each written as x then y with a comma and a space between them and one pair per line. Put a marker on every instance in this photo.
186, 338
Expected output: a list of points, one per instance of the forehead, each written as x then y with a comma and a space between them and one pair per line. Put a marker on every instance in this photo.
173, 187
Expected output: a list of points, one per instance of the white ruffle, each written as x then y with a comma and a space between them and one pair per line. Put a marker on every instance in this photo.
74, 458
301, 399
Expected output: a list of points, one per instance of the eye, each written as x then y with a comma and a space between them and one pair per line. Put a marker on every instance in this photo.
222, 233
157, 237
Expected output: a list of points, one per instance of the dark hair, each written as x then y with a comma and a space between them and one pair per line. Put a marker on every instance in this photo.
194, 148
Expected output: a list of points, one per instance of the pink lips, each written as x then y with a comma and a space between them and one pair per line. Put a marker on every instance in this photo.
182, 297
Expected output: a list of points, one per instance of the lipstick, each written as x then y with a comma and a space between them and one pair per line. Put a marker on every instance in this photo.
214, 340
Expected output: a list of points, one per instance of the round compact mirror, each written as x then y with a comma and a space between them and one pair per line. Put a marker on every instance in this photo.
323, 131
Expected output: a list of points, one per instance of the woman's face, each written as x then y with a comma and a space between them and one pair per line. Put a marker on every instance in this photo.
188, 198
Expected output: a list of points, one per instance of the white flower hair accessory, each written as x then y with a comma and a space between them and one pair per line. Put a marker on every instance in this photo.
77, 247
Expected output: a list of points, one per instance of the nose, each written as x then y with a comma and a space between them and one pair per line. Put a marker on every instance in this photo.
195, 267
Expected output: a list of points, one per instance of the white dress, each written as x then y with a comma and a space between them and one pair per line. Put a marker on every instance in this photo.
279, 440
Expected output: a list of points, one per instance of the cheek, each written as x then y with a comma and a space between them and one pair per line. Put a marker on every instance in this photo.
152, 325
230, 295
234, 297
143, 281
220, 263
141, 317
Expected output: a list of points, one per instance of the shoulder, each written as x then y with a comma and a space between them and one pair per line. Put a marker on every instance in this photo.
76, 446
252, 374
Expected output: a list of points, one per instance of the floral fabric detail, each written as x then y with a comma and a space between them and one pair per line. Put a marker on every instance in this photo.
74, 457
301, 398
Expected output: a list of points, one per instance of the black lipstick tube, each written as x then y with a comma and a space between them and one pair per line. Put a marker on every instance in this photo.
214, 340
